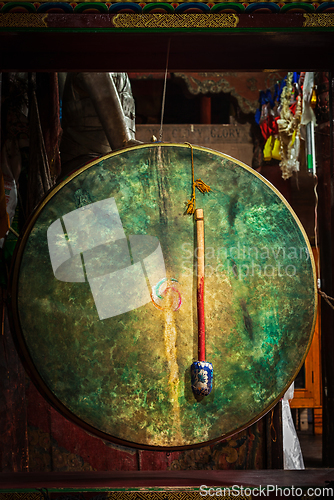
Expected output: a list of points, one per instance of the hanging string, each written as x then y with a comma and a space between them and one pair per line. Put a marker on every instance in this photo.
14, 232
199, 184
164, 93
324, 295
272, 427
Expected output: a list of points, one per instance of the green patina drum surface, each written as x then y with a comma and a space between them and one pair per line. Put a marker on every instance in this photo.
105, 285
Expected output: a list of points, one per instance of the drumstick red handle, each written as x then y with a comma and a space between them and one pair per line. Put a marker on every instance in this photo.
201, 370
199, 216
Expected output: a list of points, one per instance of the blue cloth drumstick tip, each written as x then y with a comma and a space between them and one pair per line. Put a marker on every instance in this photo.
201, 377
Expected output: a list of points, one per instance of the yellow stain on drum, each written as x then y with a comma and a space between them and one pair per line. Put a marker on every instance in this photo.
170, 335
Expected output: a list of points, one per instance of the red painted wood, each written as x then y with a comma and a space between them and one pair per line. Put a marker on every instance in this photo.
13, 413
156, 460
205, 109
99, 454
38, 410
58, 444
193, 478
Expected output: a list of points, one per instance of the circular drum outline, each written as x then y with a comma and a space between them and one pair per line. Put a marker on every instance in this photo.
23, 348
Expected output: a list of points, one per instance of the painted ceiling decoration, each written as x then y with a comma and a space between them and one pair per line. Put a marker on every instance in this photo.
153, 7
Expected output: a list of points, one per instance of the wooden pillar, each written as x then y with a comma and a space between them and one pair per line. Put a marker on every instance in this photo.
13, 412
205, 110
274, 438
324, 148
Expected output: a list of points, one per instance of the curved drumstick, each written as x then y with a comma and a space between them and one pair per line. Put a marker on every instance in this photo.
201, 370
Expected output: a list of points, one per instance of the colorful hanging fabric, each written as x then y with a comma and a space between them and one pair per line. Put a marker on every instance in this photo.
289, 129
279, 120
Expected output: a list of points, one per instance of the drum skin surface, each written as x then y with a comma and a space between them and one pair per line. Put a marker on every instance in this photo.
104, 296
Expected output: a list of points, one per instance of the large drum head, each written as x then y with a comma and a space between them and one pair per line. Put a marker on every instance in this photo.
105, 342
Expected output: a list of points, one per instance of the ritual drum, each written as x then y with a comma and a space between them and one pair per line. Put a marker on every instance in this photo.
104, 296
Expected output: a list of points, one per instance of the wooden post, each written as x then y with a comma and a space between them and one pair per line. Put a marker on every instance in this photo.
205, 109
324, 149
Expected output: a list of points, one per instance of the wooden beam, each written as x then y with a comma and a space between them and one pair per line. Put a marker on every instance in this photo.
76, 42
